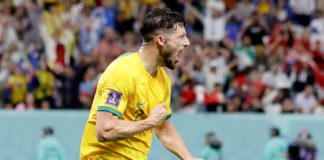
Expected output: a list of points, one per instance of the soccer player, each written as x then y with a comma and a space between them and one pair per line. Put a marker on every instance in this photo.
133, 96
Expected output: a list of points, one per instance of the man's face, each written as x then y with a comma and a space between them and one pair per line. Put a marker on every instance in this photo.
175, 42
308, 90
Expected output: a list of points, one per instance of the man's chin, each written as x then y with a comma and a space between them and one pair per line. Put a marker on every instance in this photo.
171, 66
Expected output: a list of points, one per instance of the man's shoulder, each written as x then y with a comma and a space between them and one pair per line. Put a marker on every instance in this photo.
123, 67
124, 62
49, 141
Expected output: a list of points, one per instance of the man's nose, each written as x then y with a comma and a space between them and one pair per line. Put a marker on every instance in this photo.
186, 42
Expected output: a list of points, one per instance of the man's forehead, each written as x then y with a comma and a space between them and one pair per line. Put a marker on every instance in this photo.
180, 29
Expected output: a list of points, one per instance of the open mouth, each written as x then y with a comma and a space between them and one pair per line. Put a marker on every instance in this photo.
177, 58
180, 52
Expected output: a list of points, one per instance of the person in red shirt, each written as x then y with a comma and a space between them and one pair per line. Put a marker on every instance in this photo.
188, 95
215, 100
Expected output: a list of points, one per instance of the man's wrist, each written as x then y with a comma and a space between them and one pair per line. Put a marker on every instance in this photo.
187, 157
147, 124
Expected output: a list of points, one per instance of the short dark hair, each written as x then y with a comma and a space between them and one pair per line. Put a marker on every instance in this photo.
160, 19
275, 132
48, 131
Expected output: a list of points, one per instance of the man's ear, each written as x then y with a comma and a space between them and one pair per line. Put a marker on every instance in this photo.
160, 40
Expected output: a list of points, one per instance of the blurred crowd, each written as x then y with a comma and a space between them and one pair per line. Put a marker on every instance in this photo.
264, 56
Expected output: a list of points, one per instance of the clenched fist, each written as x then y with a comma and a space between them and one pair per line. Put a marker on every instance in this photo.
158, 115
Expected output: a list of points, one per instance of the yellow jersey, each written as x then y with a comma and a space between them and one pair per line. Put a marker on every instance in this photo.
128, 91
18, 86
46, 82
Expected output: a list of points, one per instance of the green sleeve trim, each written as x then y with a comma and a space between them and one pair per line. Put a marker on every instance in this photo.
168, 116
111, 110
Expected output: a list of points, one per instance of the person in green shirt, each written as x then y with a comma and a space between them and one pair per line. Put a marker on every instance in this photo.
49, 147
276, 148
212, 150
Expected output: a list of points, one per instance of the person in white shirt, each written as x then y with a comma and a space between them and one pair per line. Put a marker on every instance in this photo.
271, 101
214, 20
302, 10
275, 78
306, 101
317, 29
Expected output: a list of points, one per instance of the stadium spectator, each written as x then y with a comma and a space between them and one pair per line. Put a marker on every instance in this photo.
317, 29
214, 20
279, 40
245, 52
129, 42
44, 90
302, 10
243, 10
319, 109
87, 87
68, 86
215, 100
88, 38
17, 86
306, 101
256, 106
233, 90
8, 34
125, 18
28, 104
256, 28
275, 78
108, 49
264, 7
74, 36
188, 97
234, 104
214, 72
188, 94
252, 88
272, 101
287, 106
317, 71
104, 16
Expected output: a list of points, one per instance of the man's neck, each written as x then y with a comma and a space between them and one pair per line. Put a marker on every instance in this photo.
149, 57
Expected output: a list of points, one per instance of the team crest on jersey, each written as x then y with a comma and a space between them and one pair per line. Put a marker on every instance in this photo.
114, 98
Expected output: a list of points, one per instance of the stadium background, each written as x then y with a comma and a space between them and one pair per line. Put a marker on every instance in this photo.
252, 64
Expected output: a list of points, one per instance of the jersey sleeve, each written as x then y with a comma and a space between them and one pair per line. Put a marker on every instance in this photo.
168, 97
115, 93
168, 107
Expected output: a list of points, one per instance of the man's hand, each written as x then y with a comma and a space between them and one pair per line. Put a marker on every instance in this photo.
158, 115
110, 128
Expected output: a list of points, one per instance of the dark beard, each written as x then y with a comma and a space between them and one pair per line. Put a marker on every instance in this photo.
167, 60
169, 64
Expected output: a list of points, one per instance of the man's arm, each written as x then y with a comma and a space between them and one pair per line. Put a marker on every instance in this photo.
171, 140
110, 128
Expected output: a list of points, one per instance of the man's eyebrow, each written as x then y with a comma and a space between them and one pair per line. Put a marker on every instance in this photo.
183, 35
